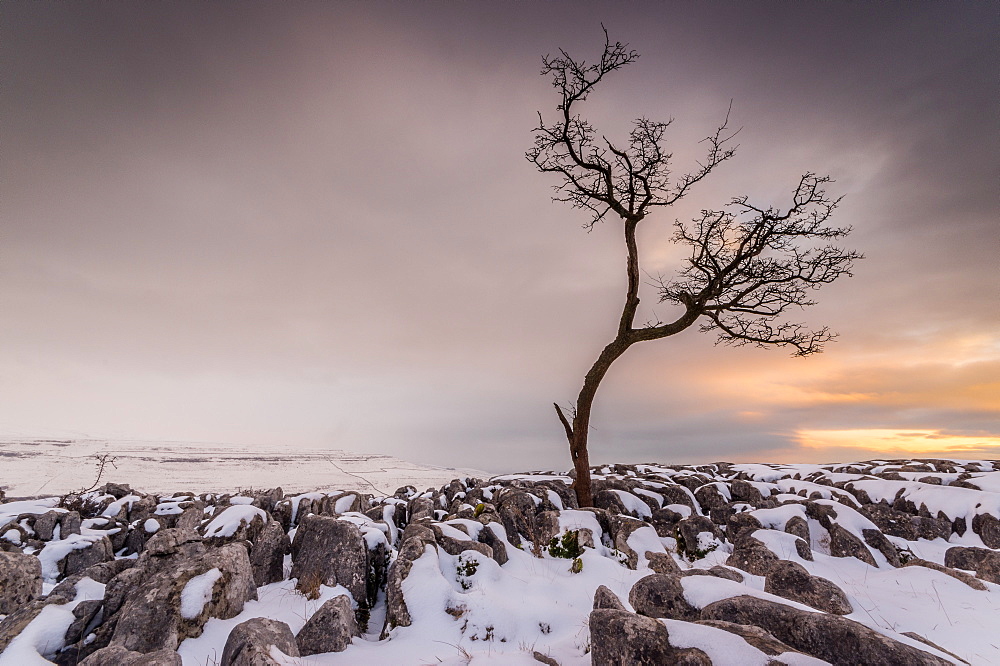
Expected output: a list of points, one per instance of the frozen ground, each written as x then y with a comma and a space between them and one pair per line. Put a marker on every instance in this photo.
54, 467
535, 602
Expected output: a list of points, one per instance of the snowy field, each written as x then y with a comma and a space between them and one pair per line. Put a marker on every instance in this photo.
55, 467
474, 576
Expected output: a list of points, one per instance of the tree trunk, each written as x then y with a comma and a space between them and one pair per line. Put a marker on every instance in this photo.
578, 432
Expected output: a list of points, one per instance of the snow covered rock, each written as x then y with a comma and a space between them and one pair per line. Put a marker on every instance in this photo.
620, 638
838, 640
985, 562
791, 581
176, 585
661, 596
20, 580
330, 629
251, 643
118, 656
328, 551
267, 555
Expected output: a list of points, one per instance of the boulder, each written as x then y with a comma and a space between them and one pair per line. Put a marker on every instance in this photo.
689, 536
20, 580
175, 587
845, 544
836, 639
658, 595
971, 581
985, 562
791, 581
752, 556
250, 643
605, 598
488, 536
798, 526
327, 551
267, 555
83, 558
662, 563
116, 655
620, 638
330, 629
397, 614
987, 526
755, 636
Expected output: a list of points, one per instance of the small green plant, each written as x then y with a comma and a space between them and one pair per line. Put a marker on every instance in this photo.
567, 547
577, 565
478, 510
465, 570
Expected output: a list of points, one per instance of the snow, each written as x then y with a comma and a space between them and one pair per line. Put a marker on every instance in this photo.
55, 551
197, 592
46, 633
151, 525
227, 522
633, 504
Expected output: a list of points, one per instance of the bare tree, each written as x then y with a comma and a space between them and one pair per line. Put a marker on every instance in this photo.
748, 264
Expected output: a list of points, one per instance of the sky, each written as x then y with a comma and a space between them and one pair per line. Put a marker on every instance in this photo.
311, 225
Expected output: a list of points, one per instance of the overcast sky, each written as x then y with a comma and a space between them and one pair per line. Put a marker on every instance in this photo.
312, 224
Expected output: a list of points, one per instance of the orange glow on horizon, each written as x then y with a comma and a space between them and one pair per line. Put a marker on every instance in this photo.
890, 440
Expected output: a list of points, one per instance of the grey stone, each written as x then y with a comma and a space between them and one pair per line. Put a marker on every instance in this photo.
20, 580
836, 639
116, 655
454, 546
798, 526
987, 526
267, 555
662, 563
605, 598
620, 638
791, 581
330, 629
739, 523
496, 544
985, 562
145, 600
688, 530
330, 552
397, 614
971, 581
755, 636
879, 542
658, 595
845, 544
250, 642
84, 558
752, 556
84, 614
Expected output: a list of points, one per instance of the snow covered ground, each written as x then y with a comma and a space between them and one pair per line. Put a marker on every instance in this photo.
56, 467
472, 608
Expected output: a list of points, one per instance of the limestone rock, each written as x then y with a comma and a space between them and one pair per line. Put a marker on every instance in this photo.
330, 552
791, 581
20, 580
267, 555
330, 629
620, 638
250, 642
605, 598
118, 656
657, 595
838, 640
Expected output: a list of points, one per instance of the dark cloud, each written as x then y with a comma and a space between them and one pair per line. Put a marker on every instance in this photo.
313, 223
